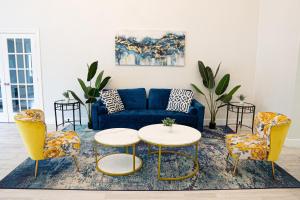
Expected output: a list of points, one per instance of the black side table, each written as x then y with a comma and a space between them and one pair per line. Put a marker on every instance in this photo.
67, 105
240, 109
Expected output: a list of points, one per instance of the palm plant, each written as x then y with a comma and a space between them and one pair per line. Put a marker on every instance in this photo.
216, 91
91, 92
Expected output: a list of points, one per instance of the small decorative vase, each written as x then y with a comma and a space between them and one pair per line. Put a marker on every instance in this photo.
170, 129
241, 102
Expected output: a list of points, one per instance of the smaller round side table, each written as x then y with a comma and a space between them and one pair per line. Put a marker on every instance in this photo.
67, 105
117, 164
240, 109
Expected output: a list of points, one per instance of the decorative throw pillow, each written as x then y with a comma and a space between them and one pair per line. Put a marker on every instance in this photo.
180, 100
112, 100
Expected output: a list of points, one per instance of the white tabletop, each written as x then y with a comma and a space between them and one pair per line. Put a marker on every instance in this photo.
117, 137
158, 134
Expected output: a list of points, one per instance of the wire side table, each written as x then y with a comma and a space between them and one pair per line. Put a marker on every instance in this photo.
240, 110
65, 106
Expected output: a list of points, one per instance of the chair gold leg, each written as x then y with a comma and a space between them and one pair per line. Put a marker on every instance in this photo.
235, 166
76, 162
36, 168
273, 170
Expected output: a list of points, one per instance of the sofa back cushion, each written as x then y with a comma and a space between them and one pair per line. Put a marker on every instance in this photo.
133, 99
158, 98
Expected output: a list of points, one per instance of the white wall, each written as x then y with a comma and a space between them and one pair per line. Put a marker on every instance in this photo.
73, 33
278, 58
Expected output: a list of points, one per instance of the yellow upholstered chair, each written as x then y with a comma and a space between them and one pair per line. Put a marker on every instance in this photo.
270, 130
41, 145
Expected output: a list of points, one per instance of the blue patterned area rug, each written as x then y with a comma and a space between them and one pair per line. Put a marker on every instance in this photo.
215, 171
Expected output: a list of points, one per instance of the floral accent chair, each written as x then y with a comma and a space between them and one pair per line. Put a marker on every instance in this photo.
270, 130
41, 145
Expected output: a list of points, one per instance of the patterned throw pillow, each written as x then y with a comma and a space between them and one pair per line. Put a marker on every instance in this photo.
112, 100
180, 100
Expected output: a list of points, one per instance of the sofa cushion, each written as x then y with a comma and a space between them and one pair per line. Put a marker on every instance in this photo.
152, 116
133, 99
158, 98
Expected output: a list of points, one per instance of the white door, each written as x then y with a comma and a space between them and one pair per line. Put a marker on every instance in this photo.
19, 74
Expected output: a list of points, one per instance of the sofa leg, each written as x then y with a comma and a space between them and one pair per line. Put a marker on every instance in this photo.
76, 163
36, 168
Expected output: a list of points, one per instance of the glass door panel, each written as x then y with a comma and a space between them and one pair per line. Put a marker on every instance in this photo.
20, 70
19, 89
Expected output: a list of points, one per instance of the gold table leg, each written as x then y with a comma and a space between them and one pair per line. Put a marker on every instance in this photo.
149, 149
133, 157
191, 174
158, 162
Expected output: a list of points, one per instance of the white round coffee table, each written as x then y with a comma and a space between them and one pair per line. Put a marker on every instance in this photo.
178, 136
117, 164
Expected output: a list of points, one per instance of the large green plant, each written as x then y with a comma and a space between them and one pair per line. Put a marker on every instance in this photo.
91, 90
216, 92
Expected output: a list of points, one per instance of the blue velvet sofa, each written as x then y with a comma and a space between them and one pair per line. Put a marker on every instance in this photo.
141, 111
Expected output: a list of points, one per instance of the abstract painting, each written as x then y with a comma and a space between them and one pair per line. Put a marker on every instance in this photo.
151, 48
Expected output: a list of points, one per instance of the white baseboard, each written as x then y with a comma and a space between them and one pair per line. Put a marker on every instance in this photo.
292, 143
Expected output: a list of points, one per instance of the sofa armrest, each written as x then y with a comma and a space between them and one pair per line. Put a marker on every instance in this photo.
200, 113
98, 109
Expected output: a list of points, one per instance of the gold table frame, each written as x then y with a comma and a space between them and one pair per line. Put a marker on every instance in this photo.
160, 152
98, 158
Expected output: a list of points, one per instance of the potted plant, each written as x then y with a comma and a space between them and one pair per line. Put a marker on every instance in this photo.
241, 98
168, 122
92, 90
216, 92
66, 94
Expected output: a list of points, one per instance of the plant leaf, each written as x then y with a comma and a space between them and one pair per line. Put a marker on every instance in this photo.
234, 90
91, 100
197, 89
99, 79
92, 70
104, 83
91, 92
221, 97
76, 97
83, 86
211, 79
227, 98
203, 73
218, 69
222, 85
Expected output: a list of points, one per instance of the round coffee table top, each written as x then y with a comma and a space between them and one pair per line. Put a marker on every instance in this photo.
117, 137
180, 135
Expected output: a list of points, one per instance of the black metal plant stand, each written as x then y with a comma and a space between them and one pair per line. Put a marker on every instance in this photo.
240, 110
67, 105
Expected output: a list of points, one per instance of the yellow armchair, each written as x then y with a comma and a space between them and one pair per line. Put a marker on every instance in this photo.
41, 145
270, 130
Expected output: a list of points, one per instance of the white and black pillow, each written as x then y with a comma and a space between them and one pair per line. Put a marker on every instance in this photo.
180, 100
112, 100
